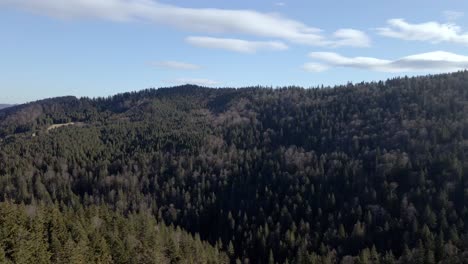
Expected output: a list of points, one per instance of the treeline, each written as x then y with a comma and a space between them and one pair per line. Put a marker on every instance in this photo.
360, 173
39, 233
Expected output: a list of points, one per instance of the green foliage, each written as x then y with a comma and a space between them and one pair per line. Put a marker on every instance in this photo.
50, 234
363, 173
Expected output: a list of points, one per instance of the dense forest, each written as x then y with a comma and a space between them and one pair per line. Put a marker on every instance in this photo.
359, 173
39, 233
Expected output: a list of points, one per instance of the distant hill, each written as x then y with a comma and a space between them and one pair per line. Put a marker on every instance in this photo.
358, 173
2, 106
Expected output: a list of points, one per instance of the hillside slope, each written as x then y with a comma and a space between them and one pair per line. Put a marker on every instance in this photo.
363, 172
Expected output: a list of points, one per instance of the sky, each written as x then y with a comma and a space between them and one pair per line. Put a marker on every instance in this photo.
93, 48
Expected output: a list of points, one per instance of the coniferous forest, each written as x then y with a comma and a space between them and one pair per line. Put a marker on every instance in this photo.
359, 173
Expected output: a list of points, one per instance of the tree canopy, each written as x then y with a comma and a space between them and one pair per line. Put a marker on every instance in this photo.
360, 173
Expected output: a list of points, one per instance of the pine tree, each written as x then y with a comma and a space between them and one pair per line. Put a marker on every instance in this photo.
271, 259
364, 256
230, 250
389, 258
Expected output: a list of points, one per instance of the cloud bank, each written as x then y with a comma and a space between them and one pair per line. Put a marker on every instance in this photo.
437, 61
433, 32
206, 20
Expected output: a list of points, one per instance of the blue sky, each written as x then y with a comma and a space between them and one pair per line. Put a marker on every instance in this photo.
94, 48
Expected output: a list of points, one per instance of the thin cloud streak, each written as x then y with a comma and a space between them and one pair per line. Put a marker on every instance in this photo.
432, 32
236, 45
351, 37
452, 15
437, 61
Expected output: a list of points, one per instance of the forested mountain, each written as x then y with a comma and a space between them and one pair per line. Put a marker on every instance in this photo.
360, 173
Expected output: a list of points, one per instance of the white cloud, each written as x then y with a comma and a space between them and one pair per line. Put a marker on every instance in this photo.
451, 15
236, 45
437, 61
206, 20
280, 4
351, 37
175, 65
195, 81
433, 32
